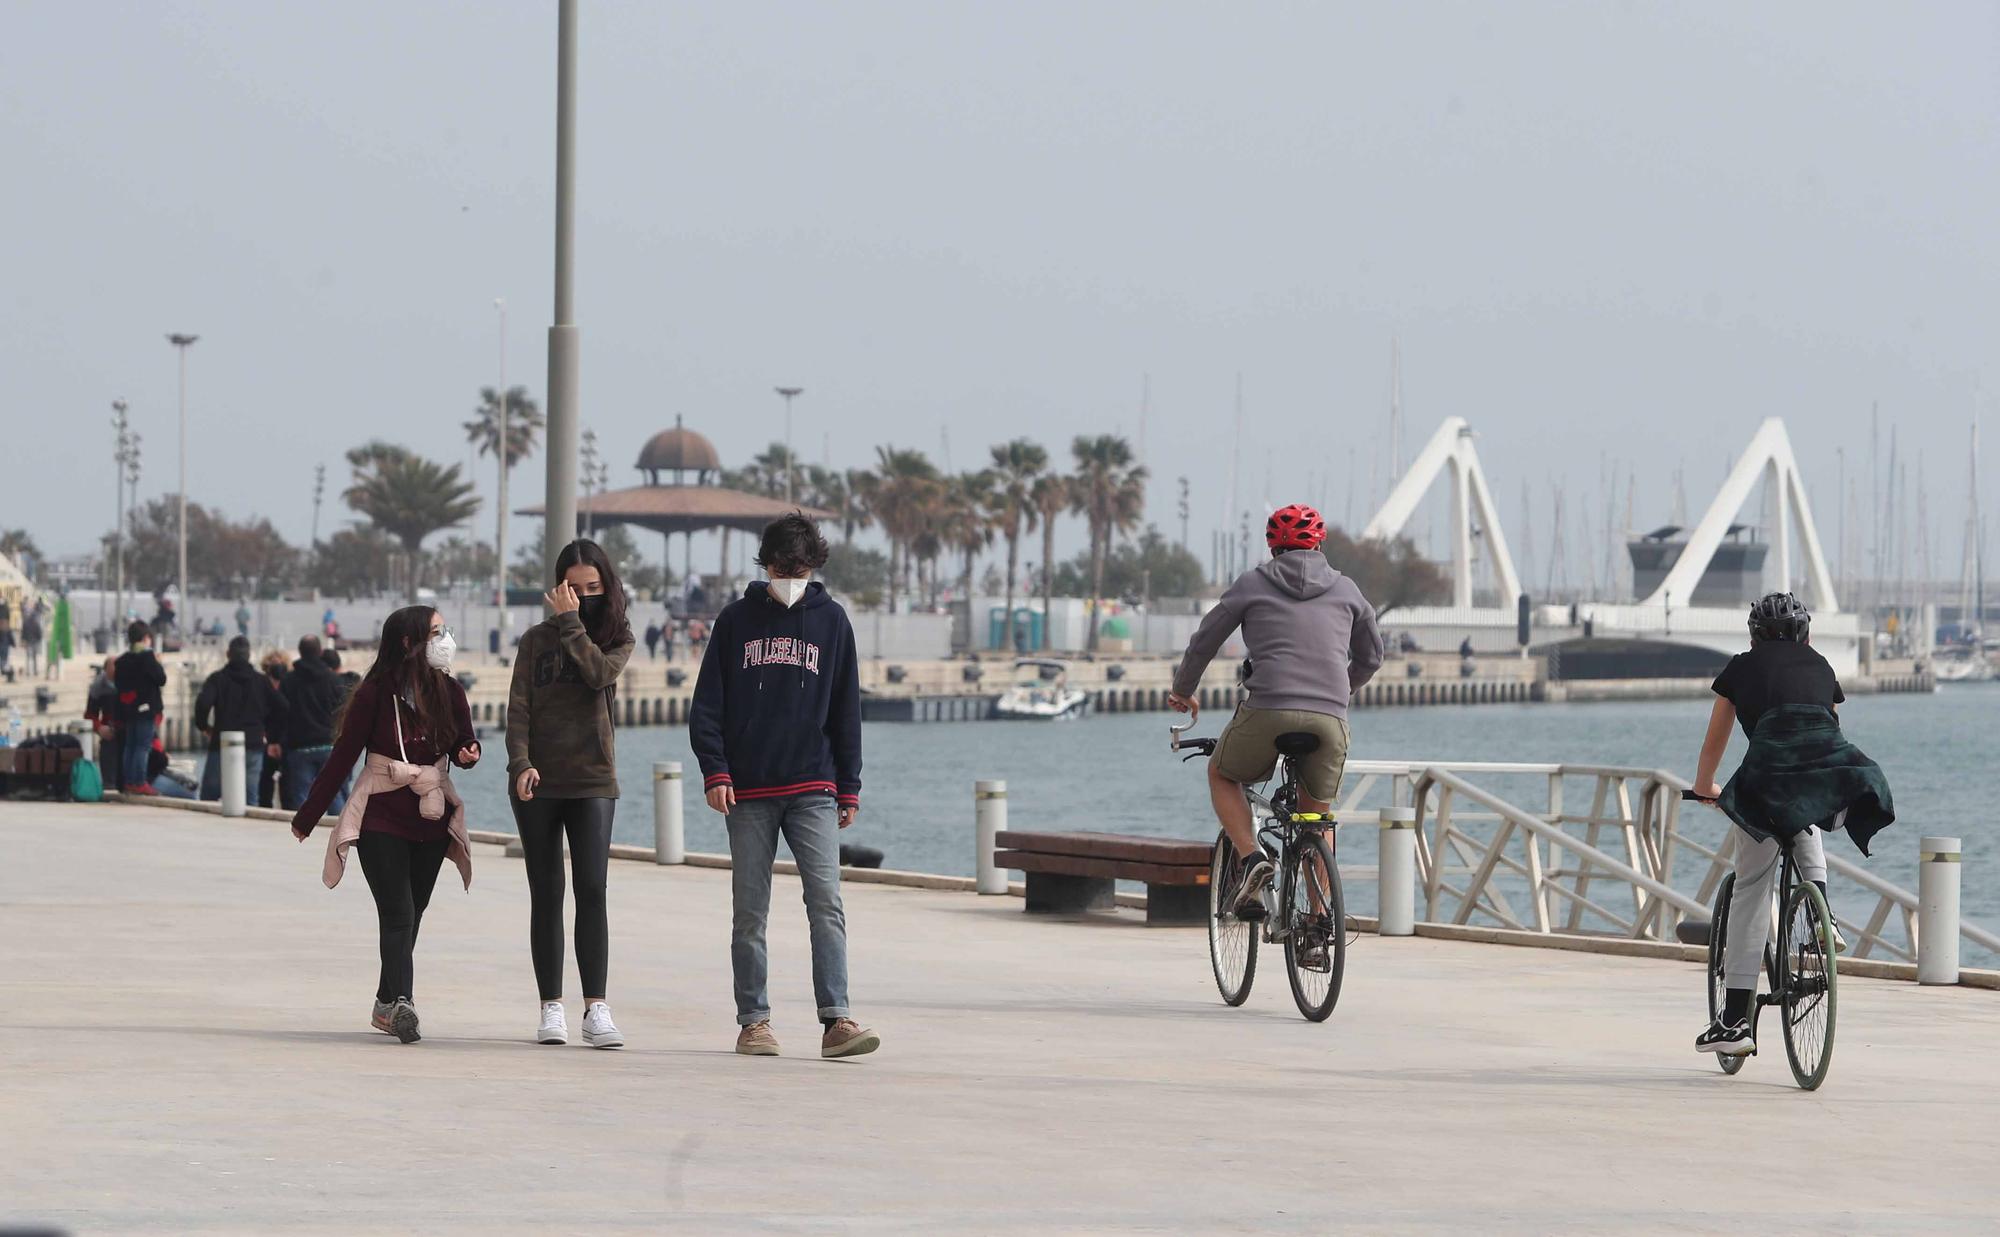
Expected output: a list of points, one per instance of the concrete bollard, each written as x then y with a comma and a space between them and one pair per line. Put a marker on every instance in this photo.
989, 820
1397, 875
669, 832
233, 773
1937, 911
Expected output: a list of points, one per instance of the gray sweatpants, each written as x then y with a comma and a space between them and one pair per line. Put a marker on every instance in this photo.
1757, 867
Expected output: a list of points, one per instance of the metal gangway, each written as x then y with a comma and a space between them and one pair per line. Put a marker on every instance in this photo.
1608, 869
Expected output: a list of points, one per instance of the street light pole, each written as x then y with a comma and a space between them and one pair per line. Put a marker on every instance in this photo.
788, 393
560, 528
182, 620
500, 517
124, 427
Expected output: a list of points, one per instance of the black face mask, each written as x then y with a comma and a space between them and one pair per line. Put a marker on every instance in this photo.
591, 609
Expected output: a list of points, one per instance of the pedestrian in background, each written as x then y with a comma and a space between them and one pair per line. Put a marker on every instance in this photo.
100, 709
652, 641
237, 697
276, 669
139, 676
562, 770
31, 637
313, 693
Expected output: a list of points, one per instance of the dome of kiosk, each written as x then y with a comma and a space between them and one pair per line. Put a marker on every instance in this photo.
679, 450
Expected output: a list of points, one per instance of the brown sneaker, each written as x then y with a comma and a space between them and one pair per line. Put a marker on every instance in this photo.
848, 1038
756, 1040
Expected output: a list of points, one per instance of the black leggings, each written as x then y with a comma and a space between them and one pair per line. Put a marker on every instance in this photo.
541, 823
401, 874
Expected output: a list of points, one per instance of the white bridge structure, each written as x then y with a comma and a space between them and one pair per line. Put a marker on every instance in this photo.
1768, 465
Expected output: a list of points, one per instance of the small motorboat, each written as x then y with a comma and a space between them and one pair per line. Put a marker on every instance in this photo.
1041, 692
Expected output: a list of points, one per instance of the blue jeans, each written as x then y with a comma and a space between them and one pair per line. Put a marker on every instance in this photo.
302, 768
136, 742
211, 775
811, 827
171, 789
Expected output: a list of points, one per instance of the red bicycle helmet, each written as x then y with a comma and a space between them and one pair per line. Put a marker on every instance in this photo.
1297, 527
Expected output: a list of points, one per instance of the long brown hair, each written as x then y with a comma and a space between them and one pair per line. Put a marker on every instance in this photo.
611, 627
402, 668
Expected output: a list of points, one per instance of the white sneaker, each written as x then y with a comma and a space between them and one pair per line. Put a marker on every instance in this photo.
555, 1027
598, 1029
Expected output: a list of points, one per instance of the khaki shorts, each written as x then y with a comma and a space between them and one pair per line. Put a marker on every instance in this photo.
1247, 752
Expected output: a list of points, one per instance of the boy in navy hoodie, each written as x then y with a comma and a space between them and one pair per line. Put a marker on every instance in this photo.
776, 725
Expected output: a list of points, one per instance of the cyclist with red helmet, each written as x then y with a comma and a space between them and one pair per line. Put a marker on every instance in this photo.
1313, 642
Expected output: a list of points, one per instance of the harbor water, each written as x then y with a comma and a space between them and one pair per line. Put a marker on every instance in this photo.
1115, 774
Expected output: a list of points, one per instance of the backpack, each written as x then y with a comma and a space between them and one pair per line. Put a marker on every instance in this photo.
86, 784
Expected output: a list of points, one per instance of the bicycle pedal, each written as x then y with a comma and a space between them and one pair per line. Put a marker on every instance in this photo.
1253, 913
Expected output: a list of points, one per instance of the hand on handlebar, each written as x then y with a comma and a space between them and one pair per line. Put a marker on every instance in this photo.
1184, 704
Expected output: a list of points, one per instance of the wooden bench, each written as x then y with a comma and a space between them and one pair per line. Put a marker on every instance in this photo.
1071, 873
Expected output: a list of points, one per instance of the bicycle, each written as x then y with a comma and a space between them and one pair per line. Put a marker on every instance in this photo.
1799, 968
1303, 909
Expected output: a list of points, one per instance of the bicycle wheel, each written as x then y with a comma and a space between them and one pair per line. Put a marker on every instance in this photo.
1806, 984
1316, 946
1232, 942
1718, 938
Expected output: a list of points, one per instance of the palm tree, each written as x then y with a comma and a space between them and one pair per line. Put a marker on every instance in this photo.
1110, 494
1049, 497
1016, 464
967, 522
407, 497
524, 430
903, 492
856, 492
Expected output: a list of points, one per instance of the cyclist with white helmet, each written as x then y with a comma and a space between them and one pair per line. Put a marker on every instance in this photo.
1313, 642
1799, 777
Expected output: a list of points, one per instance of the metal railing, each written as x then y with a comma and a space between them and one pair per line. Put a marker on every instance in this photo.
1607, 870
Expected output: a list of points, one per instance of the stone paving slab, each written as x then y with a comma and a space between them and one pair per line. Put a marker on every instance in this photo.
184, 1049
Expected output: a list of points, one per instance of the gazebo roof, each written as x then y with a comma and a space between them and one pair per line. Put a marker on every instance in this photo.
678, 450
685, 508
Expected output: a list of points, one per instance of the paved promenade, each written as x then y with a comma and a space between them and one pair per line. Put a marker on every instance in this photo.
184, 1049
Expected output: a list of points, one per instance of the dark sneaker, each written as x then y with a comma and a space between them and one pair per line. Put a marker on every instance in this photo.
403, 1020
1734, 1041
848, 1038
1257, 877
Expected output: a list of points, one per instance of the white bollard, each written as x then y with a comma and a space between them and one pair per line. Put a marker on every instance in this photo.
989, 820
669, 837
1396, 877
1937, 911
233, 777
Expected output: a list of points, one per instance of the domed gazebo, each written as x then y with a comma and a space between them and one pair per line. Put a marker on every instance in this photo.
678, 506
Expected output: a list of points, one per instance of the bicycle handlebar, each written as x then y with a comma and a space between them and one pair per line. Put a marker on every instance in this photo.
1174, 732
1689, 796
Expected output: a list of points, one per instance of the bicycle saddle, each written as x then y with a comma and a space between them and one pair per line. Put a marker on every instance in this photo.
1297, 743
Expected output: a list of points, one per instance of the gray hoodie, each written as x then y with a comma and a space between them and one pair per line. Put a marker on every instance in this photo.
1311, 635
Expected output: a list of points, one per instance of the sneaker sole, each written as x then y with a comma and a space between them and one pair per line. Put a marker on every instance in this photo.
547, 1038
860, 1046
756, 1050
403, 1025
604, 1041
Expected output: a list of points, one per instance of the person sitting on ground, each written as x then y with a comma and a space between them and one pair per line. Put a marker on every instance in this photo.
1313, 643
1800, 776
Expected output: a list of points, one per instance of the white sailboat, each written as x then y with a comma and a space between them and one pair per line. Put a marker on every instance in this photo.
1966, 660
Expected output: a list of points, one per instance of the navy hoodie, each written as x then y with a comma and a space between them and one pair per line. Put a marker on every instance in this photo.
777, 709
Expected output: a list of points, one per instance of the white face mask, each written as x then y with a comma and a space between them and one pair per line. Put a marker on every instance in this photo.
440, 650
789, 591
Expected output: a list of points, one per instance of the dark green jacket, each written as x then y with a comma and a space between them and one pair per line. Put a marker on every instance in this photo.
1801, 771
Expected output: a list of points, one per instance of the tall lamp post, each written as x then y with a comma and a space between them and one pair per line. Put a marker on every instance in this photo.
789, 393
127, 456
182, 620
560, 528
500, 517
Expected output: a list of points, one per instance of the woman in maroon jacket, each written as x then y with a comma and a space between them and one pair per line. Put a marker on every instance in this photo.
408, 709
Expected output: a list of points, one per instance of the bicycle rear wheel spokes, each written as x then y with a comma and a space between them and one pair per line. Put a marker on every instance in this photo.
1718, 943
1807, 984
1232, 943
1316, 945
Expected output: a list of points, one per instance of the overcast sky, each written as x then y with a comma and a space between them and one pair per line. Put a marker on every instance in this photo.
1611, 236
